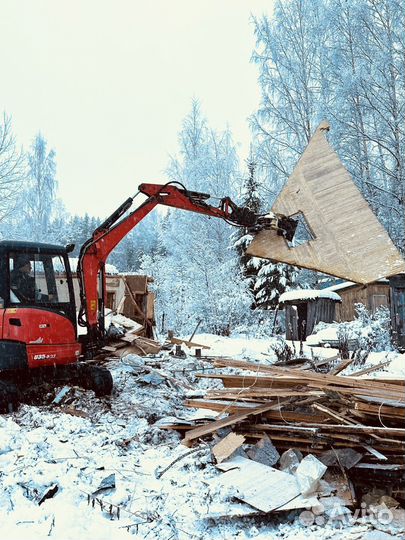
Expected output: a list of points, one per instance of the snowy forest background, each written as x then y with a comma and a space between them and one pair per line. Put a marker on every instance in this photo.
340, 60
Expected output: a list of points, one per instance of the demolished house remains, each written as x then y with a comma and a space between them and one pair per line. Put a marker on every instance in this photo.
315, 433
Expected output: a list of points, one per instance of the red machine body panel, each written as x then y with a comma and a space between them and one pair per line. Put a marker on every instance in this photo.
50, 355
50, 337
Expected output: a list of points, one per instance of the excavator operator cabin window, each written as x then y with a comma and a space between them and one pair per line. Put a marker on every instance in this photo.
37, 279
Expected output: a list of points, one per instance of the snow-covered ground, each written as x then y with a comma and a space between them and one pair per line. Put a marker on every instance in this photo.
42, 447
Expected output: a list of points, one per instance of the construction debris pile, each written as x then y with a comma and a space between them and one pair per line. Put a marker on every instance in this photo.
126, 336
278, 451
350, 430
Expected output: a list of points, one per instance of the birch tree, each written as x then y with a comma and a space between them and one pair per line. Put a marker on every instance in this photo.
197, 271
12, 169
40, 193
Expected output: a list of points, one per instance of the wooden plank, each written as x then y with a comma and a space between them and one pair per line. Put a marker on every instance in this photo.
240, 393
317, 428
229, 421
137, 284
370, 369
375, 453
227, 446
370, 392
341, 367
346, 232
189, 344
237, 407
380, 410
150, 306
290, 374
138, 310
345, 420
381, 466
252, 381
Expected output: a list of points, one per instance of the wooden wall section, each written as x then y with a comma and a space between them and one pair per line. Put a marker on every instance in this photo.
349, 240
372, 296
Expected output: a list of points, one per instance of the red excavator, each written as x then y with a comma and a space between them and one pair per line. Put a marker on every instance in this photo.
38, 322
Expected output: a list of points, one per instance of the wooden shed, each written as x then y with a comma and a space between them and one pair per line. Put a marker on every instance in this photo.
127, 294
139, 303
372, 296
305, 308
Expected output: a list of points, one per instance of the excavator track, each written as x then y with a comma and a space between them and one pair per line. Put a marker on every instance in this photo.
10, 397
95, 378
86, 376
28, 385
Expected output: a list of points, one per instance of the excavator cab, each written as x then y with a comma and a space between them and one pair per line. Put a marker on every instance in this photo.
37, 306
37, 276
38, 324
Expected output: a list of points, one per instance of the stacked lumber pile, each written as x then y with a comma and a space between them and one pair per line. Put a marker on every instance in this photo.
311, 412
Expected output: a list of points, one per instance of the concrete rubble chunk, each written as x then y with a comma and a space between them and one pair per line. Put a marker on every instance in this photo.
289, 460
308, 474
264, 452
346, 457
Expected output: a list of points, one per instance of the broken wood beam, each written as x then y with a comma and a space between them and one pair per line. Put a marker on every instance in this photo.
370, 369
341, 367
229, 421
189, 344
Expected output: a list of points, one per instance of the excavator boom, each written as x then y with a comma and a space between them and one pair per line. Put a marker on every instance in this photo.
106, 237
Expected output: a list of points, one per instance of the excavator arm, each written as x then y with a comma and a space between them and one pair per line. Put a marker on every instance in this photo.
95, 251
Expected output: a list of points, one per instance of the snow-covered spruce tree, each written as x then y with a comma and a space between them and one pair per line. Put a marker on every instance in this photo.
250, 198
197, 273
272, 280
58, 229
265, 280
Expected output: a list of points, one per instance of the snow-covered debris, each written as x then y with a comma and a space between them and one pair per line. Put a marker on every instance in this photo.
309, 294
328, 334
120, 439
120, 320
308, 474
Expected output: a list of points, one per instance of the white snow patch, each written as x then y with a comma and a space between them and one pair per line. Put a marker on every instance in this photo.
309, 294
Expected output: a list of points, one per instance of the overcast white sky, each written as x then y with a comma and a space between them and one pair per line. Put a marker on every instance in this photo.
108, 83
